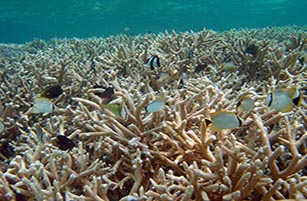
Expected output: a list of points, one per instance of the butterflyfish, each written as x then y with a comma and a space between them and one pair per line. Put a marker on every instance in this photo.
246, 104
43, 105
163, 77
155, 106
284, 99
52, 91
223, 120
119, 110
166, 77
153, 62
229, 66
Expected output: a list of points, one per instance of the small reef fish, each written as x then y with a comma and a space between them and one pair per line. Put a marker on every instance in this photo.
163, 77
107, 93
153, 62
284, 99
64, 143
7, 149
301, 61
201, 67
43, 105
190, 54
181, 83
93, 66
40, 134
251, 49
229, 66
52, 92
246, 104
2, 128
118, 109
223, 120
155, 106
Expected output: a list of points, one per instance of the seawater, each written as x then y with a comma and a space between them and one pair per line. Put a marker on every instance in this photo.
23, 20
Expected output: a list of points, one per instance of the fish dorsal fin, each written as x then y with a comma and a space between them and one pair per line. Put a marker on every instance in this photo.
289, 91
215, 114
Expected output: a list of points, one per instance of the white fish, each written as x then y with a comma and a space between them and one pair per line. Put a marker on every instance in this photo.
163, 77
155, 106
223, 120
43, 105
246, 104
284, 99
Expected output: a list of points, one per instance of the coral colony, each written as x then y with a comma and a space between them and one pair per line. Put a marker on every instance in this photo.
173, 116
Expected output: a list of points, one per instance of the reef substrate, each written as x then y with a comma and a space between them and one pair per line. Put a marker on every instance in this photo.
163, 155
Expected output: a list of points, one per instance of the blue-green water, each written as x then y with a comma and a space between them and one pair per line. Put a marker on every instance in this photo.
23, 20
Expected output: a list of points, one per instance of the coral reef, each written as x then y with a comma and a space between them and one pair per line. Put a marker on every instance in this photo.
165, 155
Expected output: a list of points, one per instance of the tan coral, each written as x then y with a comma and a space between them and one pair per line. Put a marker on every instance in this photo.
167, 155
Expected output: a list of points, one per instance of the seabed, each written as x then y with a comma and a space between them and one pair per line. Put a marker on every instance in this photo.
168, 154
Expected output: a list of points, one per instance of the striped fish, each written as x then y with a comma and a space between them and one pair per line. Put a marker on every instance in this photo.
153, 62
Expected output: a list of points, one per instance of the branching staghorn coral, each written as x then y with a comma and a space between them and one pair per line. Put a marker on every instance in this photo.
165, 155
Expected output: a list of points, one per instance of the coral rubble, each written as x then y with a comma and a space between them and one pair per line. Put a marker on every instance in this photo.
111, 148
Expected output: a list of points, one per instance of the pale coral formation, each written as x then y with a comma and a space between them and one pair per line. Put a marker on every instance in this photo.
168, 154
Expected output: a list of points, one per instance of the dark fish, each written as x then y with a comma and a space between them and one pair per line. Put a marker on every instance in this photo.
107, 93
52, 91
200, 67
20, 197
93, 66
251, 49
190, 54
64, 143
6, 150
153, 62
301, 60
181, 83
